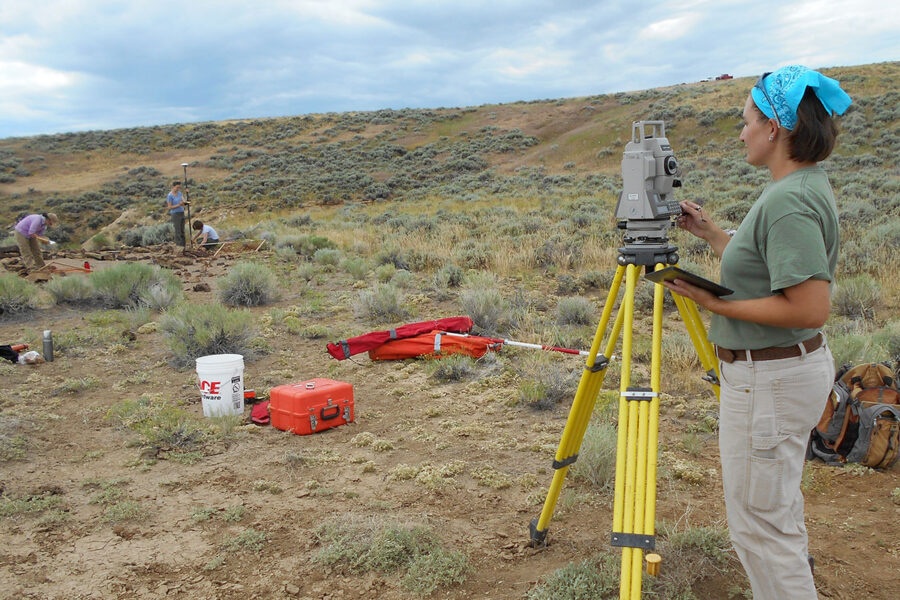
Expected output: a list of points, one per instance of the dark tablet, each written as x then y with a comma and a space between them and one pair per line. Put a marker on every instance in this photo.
670, 273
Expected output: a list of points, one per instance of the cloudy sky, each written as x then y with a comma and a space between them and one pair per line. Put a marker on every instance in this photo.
71, 65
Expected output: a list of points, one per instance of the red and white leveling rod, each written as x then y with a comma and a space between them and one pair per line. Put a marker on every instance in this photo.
532, 346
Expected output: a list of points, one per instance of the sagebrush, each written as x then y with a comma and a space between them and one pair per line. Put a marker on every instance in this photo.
17, 296
248, 284
195, 330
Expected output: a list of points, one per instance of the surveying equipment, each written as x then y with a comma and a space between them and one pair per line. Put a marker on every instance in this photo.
647, 204
648, 208
188, 205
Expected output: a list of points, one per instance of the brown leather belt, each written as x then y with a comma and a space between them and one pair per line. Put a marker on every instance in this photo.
771, 353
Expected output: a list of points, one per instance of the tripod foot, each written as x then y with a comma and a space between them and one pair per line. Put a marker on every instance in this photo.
538, 538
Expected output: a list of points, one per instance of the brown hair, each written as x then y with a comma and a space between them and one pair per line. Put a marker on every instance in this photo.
197, 225
815, 133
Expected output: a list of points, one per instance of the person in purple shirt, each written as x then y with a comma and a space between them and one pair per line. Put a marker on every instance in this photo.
175, 205
30, 231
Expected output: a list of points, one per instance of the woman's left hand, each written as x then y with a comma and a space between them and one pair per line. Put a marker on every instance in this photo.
692, 292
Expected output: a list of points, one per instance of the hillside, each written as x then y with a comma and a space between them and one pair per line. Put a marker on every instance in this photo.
115, 486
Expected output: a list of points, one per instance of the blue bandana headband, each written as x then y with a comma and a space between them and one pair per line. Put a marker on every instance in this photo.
786, 87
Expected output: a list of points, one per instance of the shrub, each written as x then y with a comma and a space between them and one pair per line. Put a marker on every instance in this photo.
36, 503
248, 284
286, 254
693, 554
402, 279
192, 331
424, 260
358, 268
546, 383
566, 285
305, 272
575, 310
100, 241
307, 245
149, 235
388, 546
248, 540
327, 256
884, 235
456, 367
71, 290
153, 235
448, 276
383, 273
857, 297
372, 546
592, 579
855, 348
889, 339
597, 455
392, 256
384, 303
474, 256
487, 308
160, 296
438, 568
161, 425
127, 285
17, 296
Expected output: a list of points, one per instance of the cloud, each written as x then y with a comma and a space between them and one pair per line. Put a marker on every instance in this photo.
670, 29
519, 63
68, 64
23, 79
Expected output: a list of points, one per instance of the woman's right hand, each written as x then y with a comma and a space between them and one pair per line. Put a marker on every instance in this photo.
693, 220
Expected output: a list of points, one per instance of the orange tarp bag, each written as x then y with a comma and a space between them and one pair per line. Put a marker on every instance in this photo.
436, 344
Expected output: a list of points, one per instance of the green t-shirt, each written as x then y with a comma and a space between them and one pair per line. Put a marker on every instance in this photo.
790, 234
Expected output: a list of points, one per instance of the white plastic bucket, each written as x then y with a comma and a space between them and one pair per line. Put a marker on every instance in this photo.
220, 378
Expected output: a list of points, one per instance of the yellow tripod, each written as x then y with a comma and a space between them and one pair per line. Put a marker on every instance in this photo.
634, 510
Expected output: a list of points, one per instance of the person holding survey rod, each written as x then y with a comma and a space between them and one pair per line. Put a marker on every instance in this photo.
776, 368
175, 205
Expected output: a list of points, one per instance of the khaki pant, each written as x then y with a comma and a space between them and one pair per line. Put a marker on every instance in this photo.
766, 413
30, 251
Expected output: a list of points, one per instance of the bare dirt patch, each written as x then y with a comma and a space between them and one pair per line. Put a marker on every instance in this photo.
178, 544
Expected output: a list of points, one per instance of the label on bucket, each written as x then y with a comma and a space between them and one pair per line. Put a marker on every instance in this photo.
237, 394
222, 395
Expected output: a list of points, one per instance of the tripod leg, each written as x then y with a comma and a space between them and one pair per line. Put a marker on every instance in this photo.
627, 445
653, 426
582, 407
697, 332
648, 440
634, 510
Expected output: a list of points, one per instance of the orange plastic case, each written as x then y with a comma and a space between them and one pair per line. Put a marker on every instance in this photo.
311, 406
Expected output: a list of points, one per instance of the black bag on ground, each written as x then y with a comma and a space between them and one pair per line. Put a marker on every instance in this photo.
9, 354
861, 420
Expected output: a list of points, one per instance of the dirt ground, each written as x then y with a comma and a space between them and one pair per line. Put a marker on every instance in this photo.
853, 522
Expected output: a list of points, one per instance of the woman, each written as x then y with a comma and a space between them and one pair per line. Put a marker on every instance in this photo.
175, 204
29, 231
206, 236
776, 370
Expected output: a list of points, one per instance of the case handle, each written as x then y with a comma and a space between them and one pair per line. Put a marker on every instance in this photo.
336, 412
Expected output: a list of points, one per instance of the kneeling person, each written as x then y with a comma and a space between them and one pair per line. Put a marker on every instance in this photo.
206, 236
